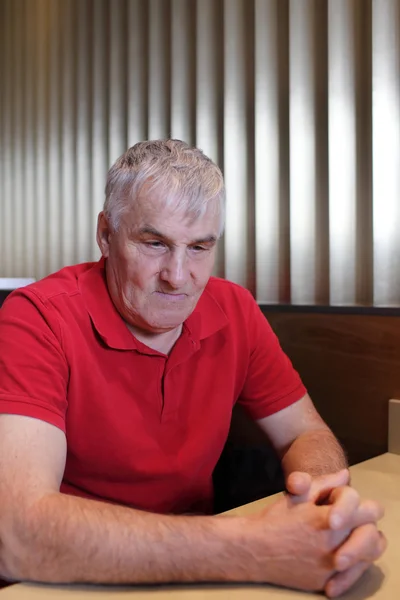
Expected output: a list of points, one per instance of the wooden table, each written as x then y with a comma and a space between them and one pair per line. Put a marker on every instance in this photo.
378, 478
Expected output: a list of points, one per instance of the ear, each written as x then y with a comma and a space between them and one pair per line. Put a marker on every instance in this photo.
103, 234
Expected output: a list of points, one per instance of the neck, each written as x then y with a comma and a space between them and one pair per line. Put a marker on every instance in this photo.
162, 342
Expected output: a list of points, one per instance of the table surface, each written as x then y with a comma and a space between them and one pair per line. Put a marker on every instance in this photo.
378, 478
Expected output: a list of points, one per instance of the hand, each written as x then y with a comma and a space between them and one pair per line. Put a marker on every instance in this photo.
300, 549
365, 543
292, 545
364, 546
333, 490
315, 489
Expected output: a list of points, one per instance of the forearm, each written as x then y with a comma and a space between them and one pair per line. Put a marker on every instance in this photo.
67, 539
317, 452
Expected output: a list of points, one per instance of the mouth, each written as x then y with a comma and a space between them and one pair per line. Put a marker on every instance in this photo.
173, 297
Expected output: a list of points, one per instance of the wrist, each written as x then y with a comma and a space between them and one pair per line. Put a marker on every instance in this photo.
247, 548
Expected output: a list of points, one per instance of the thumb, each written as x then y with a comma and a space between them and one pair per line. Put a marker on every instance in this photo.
323, 486
315, 489
298, 483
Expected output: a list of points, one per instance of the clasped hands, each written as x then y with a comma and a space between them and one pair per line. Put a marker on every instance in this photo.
350, 521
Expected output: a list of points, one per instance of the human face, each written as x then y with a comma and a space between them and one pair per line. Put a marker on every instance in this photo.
158, 263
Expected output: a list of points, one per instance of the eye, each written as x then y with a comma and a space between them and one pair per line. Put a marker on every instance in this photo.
153, 247
155, 244
198, 249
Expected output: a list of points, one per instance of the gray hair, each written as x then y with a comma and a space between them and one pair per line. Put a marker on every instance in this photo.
187, 179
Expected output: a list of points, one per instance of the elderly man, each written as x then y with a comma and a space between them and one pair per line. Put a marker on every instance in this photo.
117, 382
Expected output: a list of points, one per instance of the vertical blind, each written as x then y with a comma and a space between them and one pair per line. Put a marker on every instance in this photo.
297, 100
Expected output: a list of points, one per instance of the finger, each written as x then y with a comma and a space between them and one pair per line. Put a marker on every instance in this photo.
345, 502
324, 485
341, 582
298, 483
315, 489
368, 511
364, 544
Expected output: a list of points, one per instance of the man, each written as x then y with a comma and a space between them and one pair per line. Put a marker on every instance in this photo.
117, 382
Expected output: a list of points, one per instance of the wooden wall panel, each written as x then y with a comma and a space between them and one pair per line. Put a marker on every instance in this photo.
350, 364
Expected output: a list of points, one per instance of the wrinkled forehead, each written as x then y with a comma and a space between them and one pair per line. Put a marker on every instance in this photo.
153, 201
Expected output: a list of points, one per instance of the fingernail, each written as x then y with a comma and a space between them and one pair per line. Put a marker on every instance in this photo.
334, 591
343, 562
336, 522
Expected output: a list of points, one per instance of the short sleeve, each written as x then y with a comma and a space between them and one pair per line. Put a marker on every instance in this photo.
33, 367
271, 383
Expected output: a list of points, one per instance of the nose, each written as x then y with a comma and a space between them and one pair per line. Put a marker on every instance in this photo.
175, 270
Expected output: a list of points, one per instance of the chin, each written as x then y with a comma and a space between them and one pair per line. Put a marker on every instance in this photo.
167, 324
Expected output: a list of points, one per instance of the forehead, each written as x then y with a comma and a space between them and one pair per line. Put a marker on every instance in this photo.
153, 210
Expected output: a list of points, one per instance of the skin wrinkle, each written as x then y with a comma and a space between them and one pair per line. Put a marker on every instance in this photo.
53, 537
142, 265
183, 178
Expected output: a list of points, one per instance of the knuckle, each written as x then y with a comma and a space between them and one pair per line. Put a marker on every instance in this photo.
373, 508
376, 544
347, 579
370, 530
355, 494
350, 497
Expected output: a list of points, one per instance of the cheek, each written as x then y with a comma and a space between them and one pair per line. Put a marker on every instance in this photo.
202, 271
141, 273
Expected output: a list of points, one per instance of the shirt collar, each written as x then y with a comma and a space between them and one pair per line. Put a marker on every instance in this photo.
105, 317
206, 319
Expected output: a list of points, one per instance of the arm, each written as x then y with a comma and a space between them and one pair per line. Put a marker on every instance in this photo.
51, 537
303, 440
315, 468
272, 387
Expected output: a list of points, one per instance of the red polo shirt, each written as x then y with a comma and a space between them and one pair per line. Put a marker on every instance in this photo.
143, 429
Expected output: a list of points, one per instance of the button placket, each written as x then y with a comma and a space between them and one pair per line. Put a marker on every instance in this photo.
160, 385
182, 354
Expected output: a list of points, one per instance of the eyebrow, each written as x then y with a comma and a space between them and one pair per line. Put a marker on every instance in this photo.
208, 239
